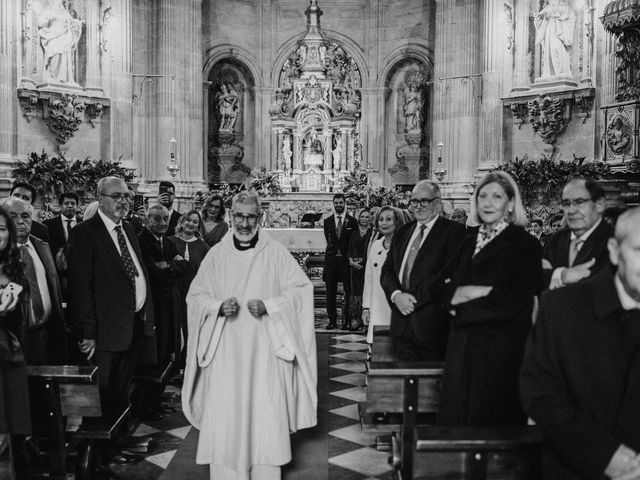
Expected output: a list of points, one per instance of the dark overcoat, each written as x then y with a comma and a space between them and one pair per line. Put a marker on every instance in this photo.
488, 334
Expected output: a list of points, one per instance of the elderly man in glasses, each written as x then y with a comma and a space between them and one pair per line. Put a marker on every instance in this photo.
419, 252
250, 376
578, 252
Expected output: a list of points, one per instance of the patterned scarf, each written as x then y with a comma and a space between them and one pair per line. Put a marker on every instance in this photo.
485, 236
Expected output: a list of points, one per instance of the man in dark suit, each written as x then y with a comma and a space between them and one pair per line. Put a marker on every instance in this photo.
46, 338
337, 232
419, 252
580, 380
580, 251
110, 301
28, 193
166, 197
165, 267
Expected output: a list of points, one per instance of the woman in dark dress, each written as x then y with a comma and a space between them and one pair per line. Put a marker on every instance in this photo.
357, 253
15, 419
193, 249
491, 290
213, 226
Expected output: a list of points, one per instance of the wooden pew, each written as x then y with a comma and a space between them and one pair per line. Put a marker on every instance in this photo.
477, 453
65, 405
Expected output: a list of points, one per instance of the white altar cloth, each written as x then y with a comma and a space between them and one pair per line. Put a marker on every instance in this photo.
299, 239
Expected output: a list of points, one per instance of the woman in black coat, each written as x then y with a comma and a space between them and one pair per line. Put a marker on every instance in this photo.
491, 287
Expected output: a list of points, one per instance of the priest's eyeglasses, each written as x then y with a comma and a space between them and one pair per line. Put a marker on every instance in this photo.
423, 202
239, 218
118, 197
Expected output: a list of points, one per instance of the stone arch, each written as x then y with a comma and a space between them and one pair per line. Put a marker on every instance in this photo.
413, 51
230, 51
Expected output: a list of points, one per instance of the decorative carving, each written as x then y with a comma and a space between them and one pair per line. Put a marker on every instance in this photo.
547, 115
511, 25
65, 116
29, 104
93, 112
628, 68
312, 92
554, 32
618, 136
281, 102
584, 104
519, 111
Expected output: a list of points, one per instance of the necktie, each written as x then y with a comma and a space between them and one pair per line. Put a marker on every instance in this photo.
339, 228
68, 227
574, 248
413, 253
125, 255
34, 291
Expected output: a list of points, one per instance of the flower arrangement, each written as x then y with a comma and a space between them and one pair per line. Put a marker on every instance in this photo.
359, 191
265, 182
52, 176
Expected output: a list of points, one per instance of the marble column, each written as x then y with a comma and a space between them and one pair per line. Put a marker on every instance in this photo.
373, 146
457, 109
344, 139
95, 46
520, 47
297, 151
206, 85
327, 150
8, 99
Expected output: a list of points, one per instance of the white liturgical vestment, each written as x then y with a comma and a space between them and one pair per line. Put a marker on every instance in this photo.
249, 382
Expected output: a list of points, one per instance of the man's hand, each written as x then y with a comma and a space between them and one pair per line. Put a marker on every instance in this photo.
230, 307
465, 293
88, 347
577, 272
366, 315
624, 465
178, 258
356, 264
162, 264
405, 302
163, 198
256, 307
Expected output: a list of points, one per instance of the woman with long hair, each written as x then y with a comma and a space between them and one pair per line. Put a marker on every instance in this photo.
193, 249
213, 226
490, 291
375, 309
14, 395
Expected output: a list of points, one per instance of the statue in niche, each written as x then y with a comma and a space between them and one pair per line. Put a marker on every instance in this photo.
336, 152
315, 144
412, 107
286, 152
59, 33
554, 32
227, 102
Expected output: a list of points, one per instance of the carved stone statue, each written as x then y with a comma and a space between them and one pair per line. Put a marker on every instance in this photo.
59, 33
315, 144
227, 103
286, 152
412, 107
336, 153
554, 32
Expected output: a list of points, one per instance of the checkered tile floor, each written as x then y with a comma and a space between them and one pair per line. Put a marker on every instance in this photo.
351, 455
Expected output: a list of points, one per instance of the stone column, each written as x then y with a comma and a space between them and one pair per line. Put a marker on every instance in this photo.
344, 139
521, 80
373, 146
94, 24
457, 108
206, 85
8, 98
297, 151
277, 151
494, 70
328, 160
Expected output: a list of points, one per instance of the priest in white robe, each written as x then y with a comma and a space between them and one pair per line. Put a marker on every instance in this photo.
250, 377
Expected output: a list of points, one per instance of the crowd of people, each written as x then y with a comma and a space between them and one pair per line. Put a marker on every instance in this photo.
527, 325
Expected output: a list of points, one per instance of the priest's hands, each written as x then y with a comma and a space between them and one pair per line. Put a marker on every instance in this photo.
256, 307
230, 307
624, 465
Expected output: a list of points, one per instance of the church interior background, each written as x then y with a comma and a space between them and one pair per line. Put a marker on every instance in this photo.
203, 91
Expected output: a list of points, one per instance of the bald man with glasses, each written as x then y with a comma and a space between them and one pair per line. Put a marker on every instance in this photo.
579, 251
419, 252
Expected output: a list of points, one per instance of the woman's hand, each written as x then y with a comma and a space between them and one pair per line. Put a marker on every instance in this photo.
466, 293
366, 315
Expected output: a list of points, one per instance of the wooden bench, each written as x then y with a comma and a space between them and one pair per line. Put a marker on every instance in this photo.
476, 453
65, 404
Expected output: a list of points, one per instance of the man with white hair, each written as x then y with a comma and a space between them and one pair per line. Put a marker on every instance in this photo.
580, 379
250, 376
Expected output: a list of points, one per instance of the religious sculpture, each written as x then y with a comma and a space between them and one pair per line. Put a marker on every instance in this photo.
412, 107
286, 152
336, 153
554, 32
227, 102
316, 145
59, 33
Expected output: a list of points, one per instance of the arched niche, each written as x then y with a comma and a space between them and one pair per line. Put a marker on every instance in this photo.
407, 121
231, 122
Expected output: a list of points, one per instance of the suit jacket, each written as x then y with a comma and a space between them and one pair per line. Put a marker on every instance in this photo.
429, 319
57, 239
55, 326
173, 221
580, 379
337, 245
102, 298
556, 250
488, 334
40, 230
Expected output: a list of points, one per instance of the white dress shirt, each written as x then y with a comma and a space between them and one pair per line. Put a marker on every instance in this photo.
141, 285
41, 277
